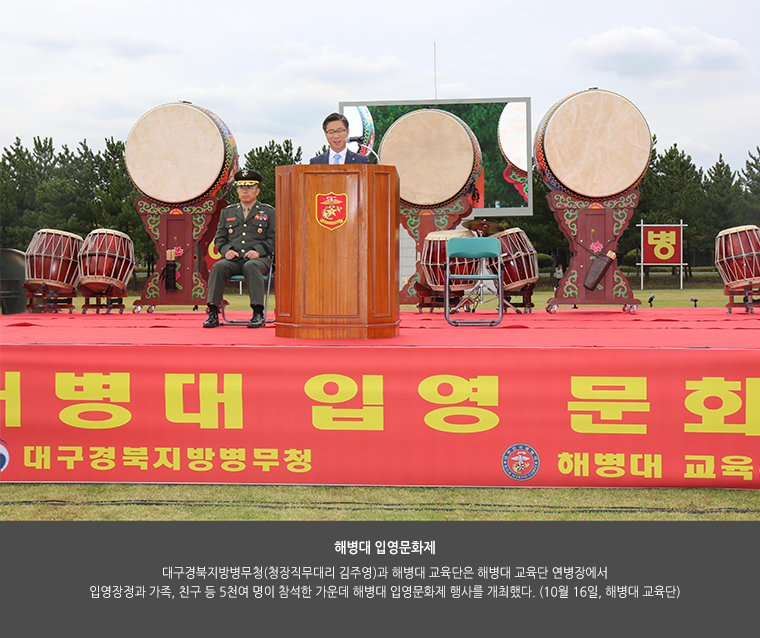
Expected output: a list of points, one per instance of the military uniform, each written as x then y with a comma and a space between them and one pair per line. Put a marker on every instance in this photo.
241, 235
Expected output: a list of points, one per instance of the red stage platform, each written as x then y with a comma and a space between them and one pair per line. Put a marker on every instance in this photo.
585, 397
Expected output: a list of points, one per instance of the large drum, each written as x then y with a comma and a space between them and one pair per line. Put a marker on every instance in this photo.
436, 155
360, 119
737, 256
512, 132
593, 144
519, 260
179, 153
106, 261
52, 260
433, 261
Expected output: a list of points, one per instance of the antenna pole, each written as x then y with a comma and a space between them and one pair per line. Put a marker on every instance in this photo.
435, 72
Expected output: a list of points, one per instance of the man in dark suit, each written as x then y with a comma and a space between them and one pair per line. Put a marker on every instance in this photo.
335, 127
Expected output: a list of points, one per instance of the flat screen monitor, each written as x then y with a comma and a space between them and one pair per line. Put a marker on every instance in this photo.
501, 127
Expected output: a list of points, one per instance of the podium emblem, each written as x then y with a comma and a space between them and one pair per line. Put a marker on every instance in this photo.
332, 210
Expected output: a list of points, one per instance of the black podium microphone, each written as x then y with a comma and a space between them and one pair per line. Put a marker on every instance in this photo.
357, 139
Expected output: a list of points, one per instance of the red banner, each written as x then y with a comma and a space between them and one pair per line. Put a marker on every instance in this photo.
381, 416
661, 244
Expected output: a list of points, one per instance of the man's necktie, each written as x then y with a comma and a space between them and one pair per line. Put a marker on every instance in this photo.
336, 159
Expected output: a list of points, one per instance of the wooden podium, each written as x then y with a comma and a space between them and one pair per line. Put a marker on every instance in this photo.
337, 254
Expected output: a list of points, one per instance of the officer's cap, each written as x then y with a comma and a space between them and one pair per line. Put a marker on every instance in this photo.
248, 178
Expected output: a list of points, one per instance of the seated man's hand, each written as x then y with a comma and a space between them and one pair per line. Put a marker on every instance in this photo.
252, 254
231, 254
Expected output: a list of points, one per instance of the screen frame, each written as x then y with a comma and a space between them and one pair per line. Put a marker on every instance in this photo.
506, 211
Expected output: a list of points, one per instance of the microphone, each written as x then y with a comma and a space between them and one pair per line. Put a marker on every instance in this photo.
651, 299
695, 300
357, 139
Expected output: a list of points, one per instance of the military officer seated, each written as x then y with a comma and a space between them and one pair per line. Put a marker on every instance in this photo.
245, 240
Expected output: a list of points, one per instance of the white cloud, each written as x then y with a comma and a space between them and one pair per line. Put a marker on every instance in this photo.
674, 57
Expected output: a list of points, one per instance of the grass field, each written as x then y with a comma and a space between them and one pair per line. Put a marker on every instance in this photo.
56, 502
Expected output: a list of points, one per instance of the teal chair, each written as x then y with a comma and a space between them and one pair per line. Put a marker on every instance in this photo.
480, 248
241, 279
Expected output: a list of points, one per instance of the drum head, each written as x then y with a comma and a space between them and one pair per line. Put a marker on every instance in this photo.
513, 130
434, 153
174, 153
597, 144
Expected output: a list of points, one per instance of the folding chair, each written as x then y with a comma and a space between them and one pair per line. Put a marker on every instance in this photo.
480, 248
240, 278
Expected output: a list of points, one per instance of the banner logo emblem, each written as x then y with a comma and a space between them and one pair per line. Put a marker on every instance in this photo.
332, 210
5, 456
520, 462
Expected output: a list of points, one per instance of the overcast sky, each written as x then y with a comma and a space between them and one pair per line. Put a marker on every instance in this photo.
88, 69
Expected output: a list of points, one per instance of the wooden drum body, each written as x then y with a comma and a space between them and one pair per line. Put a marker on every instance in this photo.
433, 261
52, 260
436, 155
106, 260
180, 153
737, 256
593, 144
519, 261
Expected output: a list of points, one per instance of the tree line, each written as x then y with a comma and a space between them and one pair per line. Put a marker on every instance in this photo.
673, 189
81, 190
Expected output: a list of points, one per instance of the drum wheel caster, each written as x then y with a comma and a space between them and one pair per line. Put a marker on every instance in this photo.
121, 311
729, 310
551, 309
151, 309
136, 310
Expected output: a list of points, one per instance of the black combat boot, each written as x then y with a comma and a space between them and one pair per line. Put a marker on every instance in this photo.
212, 321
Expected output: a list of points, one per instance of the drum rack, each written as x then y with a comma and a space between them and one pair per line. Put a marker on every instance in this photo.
475, 297
470, 301
428, 298
112, 295
747, 295
50, 300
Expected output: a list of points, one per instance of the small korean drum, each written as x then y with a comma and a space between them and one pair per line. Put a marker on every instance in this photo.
519, 262
179, 153
436, 155
593, 144
52, 260
433, 261
737, 256
107, 259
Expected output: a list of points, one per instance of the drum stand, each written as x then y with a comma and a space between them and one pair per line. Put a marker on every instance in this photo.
591, 226
427, 298
49, 300
747, 298
113, 299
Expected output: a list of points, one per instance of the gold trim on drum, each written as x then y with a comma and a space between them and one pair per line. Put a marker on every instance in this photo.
436, 155
593, 144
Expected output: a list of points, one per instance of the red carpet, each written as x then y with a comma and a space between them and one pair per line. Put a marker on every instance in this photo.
568, 328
